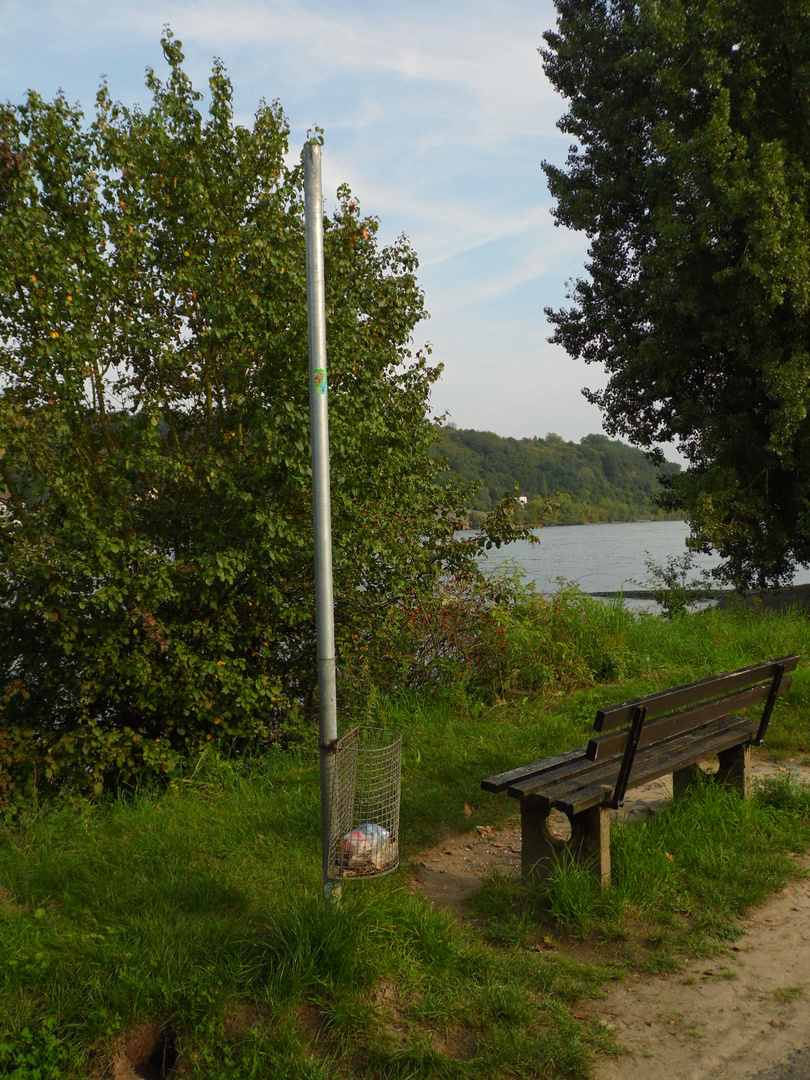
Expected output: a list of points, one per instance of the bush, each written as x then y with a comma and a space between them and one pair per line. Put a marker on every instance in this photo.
156, 569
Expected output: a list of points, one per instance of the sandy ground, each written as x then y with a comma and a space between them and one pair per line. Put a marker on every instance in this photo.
745, 1014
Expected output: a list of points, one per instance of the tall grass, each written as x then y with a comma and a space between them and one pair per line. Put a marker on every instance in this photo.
680, 881
196, 908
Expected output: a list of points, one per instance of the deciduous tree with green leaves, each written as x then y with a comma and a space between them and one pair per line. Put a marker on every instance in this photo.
156, 577
690, 174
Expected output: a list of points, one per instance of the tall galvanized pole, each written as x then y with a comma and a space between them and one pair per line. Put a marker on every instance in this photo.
322, 512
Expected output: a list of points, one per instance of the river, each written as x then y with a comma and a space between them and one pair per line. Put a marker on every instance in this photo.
603, 558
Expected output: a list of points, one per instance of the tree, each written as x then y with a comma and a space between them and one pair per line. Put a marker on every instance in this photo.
691, 177
156, 577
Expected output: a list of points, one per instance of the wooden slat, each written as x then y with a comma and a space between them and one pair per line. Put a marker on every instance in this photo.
656, 767
567, 771
501, 781
617, 716
674, 723
605, 773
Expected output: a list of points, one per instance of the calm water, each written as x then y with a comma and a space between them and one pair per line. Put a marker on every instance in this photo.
602, 558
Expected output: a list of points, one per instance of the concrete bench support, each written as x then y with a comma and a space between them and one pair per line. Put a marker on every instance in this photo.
734, 772
588, 845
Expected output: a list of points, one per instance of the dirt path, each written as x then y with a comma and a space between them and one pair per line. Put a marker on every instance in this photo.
743, 1015
737, 1015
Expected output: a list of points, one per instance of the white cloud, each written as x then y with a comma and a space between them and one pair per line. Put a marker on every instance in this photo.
492, 61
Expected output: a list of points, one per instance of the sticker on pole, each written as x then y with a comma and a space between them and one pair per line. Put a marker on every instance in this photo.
319, 380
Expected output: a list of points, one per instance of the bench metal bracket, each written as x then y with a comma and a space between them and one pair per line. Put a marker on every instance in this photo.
769, 704
639, 716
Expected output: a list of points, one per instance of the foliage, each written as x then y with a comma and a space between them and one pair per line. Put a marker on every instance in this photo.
495, 638
156, 577
598, 479
672, 588
690, 174
554, 643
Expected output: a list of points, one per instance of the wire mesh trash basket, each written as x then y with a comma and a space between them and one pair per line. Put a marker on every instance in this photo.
364, 819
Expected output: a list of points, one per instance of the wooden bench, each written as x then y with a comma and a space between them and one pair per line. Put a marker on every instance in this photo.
667, 732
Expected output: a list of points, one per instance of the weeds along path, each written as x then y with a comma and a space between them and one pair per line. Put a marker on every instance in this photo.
744, 1014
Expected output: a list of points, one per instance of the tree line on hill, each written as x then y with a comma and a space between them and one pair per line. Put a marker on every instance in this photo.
565, 483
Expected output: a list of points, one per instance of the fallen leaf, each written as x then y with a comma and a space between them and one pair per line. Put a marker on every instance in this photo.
673, 1023
420, 880
709, 971
467, 809
580, 1016
775, 1023
668, 857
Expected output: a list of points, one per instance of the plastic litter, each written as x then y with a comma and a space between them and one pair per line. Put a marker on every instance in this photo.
366, 849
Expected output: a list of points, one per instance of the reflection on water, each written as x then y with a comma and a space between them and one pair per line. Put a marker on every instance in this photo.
603, 558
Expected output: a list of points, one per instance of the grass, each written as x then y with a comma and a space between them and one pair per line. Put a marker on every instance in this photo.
785, 994
190, 918
680, 881
201, 910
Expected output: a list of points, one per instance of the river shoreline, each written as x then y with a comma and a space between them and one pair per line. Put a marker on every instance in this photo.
767, 599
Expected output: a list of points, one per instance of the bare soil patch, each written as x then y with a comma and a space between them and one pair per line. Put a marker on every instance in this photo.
744, 1014
149, 1052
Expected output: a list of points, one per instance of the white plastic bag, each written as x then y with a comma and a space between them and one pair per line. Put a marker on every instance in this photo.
368, 847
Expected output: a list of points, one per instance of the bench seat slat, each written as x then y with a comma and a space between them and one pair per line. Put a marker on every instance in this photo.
501, 781
566, 773
667, 700
654, 769
603, 774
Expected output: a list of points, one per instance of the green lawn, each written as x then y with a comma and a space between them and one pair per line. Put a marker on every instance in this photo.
190, 919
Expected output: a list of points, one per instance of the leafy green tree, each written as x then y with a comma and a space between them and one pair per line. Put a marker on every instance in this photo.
156, 577
690, 174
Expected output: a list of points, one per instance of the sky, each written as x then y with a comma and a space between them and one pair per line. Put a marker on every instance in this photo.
438, 116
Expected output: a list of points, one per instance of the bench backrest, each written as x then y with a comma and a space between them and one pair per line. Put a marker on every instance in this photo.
647, 720
673, 711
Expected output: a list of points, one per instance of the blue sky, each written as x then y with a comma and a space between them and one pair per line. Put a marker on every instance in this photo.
437, 114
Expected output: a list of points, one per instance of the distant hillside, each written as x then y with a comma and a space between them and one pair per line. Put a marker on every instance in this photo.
598, 479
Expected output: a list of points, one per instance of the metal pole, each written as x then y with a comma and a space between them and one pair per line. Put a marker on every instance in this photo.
321, 501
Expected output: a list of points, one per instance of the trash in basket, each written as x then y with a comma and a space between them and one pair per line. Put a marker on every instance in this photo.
366, 849
364, 823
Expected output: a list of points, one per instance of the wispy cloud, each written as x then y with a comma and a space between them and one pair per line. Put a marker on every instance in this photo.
492, 61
